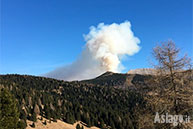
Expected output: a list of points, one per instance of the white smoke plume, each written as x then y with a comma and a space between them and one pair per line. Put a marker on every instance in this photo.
105, 45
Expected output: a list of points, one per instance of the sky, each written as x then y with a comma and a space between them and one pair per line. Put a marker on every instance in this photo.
38, 36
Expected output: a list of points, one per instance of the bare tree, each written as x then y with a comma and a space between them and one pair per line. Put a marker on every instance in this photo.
174, 75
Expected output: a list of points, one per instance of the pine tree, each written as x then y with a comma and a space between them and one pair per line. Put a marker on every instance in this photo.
78, 126
9, 115
33, 125
45, 122
21, 124
33, 117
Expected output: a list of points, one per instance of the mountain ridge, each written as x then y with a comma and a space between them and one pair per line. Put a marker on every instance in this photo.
143, 71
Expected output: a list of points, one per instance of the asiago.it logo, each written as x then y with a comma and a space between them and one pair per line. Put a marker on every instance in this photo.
172, 119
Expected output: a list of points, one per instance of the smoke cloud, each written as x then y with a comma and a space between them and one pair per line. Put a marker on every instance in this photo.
104, 49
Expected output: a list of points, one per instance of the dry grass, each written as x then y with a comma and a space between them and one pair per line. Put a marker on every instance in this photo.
54, 125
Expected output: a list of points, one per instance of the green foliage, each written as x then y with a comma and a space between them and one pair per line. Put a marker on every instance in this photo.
9, 115
78, 126
34, 119
33, 125
45, 122
73, 101
21, 124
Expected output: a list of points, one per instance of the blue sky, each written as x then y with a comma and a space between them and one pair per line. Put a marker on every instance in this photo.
39, 35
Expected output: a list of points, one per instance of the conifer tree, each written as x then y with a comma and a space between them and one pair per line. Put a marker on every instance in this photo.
172, 77
9, 115
78, 126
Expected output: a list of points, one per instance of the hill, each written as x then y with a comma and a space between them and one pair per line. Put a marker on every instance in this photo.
134, 82
112, 100
94, 105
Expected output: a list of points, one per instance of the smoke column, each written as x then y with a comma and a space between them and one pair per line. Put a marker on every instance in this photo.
105, 45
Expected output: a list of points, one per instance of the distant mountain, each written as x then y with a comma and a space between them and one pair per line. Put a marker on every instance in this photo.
119, 80
143, 71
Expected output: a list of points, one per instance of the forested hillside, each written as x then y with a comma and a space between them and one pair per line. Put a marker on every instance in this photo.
115, 101
95, 105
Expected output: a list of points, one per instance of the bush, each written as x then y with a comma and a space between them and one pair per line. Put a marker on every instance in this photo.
33, 125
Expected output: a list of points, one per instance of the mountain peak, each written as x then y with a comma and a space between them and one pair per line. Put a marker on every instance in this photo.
107, 73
